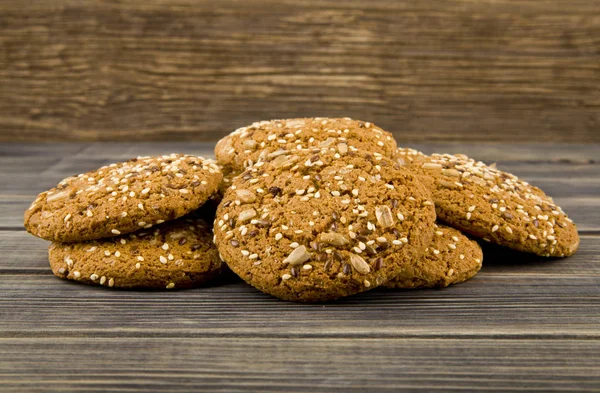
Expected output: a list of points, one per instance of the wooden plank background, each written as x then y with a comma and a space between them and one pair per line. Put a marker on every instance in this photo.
465, 70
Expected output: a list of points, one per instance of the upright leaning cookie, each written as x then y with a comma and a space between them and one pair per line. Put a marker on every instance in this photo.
177, 254
321, 224
122, 198
494, 205
451, 258
266, 139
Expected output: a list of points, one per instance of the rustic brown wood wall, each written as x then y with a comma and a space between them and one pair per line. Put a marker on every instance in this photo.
507, 70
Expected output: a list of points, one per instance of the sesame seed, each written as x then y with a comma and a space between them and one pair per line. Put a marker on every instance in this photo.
140, 258
253, 256
278, 236
170, 285
165, 246
245, 253
307, 267
294, 245
286, 276
461, 256
76, 274
138, 265
468, 216
107, 253
102, 280
494, 228
396, 242
94, 277
508, 229
427, 203
533, 237
452, 246
439, 233
367, 283
115, 232
162, 259
436, 252
117, 254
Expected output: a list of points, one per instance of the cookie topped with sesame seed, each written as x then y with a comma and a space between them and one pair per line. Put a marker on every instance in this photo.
177, 254
266, 139
122, 198
317, 224
496, 206
451, 258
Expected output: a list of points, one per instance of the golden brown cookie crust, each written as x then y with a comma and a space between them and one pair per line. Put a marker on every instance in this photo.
122, 198
496, 206
321, 224
257, 141
451, 258
177, 254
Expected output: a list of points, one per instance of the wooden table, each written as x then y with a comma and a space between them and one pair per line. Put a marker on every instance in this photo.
524, 323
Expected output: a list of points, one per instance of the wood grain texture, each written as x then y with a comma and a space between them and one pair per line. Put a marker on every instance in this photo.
195, 70
524, 323
296, 364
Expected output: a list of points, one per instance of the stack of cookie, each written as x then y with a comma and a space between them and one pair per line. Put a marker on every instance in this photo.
317, 209
308, 210
131, 225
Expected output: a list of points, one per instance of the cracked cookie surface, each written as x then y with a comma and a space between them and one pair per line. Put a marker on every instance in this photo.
451, 258
122, 198
177, 254
319, 224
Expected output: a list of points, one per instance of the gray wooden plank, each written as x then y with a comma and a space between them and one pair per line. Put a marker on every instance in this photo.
297, 364
489, 305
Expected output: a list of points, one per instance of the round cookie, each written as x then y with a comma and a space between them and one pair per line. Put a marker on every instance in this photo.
122, 198
264, 139
451, 258
496, 206
318, 225
177, 254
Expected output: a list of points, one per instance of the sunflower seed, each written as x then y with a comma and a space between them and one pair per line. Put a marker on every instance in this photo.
247, 215
359, 264
298, 256
335, 239
384, 216
245, 196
